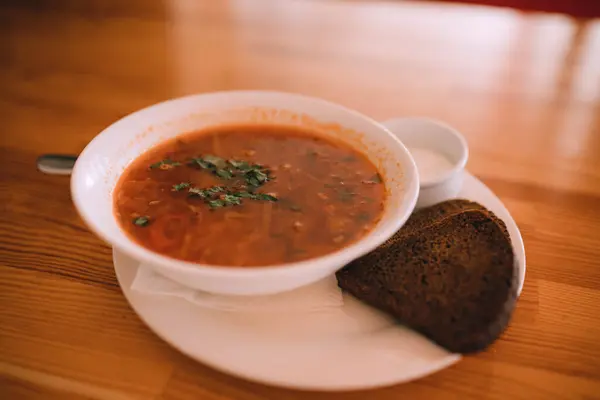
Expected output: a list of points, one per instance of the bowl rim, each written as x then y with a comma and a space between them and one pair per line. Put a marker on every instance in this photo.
365, 244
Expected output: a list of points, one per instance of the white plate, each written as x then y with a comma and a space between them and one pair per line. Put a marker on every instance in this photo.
344, 348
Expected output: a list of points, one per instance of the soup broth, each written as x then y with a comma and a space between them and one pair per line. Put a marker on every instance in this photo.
249, 196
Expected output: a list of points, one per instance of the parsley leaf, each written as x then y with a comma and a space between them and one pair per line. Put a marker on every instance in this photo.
213, 190
214, 164
141, 221
224, 173
232, 200
255, 196
265, 196
240, 165
255, 177
216, 203
248, 176
246, 195
226, 200
205, 193
197, 192
180, 186
199, 161
218, 162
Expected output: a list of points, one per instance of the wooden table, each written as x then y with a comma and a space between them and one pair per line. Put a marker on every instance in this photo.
524, 89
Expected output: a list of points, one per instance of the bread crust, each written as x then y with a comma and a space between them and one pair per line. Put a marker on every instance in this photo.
454, 280
424, 217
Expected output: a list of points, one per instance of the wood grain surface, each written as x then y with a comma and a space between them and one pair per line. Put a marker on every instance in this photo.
523, 88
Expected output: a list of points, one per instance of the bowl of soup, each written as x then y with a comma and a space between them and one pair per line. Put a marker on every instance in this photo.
246, 192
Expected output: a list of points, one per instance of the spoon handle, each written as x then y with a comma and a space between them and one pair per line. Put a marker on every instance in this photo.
56, 164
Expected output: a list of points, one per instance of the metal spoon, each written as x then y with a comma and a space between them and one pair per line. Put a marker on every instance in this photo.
56, 164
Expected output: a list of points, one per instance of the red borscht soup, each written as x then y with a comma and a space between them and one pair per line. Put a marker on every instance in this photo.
249, 196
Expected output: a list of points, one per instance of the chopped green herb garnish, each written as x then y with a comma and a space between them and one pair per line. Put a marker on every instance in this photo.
181, 186
216, 203
214, 190
255, 196
197, 192
219, 196
216, 161
245, 195
200, 162
209, 162
240, 165
206, 193
225, 201
232, 200
165, 164
249, 177
256, 177
254, 174
141, 221
224, 174
265, 197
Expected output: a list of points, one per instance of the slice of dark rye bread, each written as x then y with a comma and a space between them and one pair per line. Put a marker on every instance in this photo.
454, 281
431, 215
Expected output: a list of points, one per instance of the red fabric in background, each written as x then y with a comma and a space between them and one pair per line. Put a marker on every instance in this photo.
578, 8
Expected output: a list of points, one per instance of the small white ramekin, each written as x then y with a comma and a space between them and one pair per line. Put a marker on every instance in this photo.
436, 136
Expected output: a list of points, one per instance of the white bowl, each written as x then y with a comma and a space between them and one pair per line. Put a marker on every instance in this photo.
428, 134
103, 160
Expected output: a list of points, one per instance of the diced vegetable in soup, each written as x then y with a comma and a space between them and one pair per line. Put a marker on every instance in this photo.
249, 196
